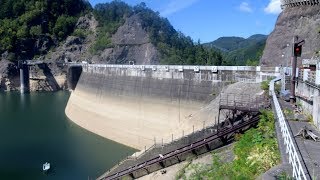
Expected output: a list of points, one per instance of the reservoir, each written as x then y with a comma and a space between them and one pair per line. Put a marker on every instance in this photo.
34, 129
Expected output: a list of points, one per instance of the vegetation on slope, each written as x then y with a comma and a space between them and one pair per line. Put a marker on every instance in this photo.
226, 44
110, 17
23, 22
240, 51
256, 151
174, 47
31, 28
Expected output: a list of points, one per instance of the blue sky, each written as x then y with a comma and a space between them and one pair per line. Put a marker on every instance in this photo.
208, 20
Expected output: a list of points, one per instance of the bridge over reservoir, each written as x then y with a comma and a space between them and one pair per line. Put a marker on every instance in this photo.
139, 105
39, 73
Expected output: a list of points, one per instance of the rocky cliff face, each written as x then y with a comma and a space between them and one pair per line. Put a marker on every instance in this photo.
131, 43
76, 48
9, 77
303, 21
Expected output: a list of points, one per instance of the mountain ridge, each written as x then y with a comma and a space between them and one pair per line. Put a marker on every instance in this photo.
239, 50
230, 43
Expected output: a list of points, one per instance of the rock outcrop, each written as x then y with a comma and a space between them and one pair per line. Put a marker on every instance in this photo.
131, 44
9, 79
76, 49
303, 21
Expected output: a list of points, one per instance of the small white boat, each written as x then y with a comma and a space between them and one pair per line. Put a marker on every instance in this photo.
46, 166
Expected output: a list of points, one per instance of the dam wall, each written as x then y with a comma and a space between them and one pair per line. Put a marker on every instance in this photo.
142, 105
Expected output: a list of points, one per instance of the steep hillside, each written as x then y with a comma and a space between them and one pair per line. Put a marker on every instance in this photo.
139, 34
131, 44
240, 51
30, 28
123, 34
76, 47
303, 21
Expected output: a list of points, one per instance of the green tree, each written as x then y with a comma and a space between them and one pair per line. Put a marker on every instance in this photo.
21, 21
64, 26
35, 30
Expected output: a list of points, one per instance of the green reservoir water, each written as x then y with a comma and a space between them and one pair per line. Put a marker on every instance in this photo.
34, 129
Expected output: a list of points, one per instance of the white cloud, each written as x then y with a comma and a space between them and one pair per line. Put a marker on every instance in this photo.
259, 23
245, 7
176, 5
274, 7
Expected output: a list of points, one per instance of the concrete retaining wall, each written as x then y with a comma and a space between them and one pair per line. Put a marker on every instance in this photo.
308, 93
141, 105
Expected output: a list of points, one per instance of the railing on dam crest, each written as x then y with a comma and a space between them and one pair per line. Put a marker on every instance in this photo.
185, 67
297, 170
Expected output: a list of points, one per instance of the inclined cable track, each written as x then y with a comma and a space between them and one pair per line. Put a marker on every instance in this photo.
193, 146
230, 102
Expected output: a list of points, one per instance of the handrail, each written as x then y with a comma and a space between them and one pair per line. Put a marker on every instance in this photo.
181, 67
297, 170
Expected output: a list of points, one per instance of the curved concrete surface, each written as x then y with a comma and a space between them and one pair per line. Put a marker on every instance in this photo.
138, 107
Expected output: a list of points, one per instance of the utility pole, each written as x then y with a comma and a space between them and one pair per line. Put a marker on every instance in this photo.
294, 68
296, 52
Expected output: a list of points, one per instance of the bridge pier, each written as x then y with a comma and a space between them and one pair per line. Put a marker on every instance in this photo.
24, 78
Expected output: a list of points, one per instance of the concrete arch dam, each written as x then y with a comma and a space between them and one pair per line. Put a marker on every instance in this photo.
142, 105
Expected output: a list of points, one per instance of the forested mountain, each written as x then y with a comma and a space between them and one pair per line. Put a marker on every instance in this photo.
226, 44
30, 27
33, 28
240, 51
174, 47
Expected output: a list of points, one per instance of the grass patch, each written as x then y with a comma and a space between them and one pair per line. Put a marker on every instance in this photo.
256, 151
182, 172
265, 86
309, 118
284, 176
81, 33
288, 112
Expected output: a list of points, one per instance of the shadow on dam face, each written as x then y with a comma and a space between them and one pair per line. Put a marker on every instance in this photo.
74, 73
139, 108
